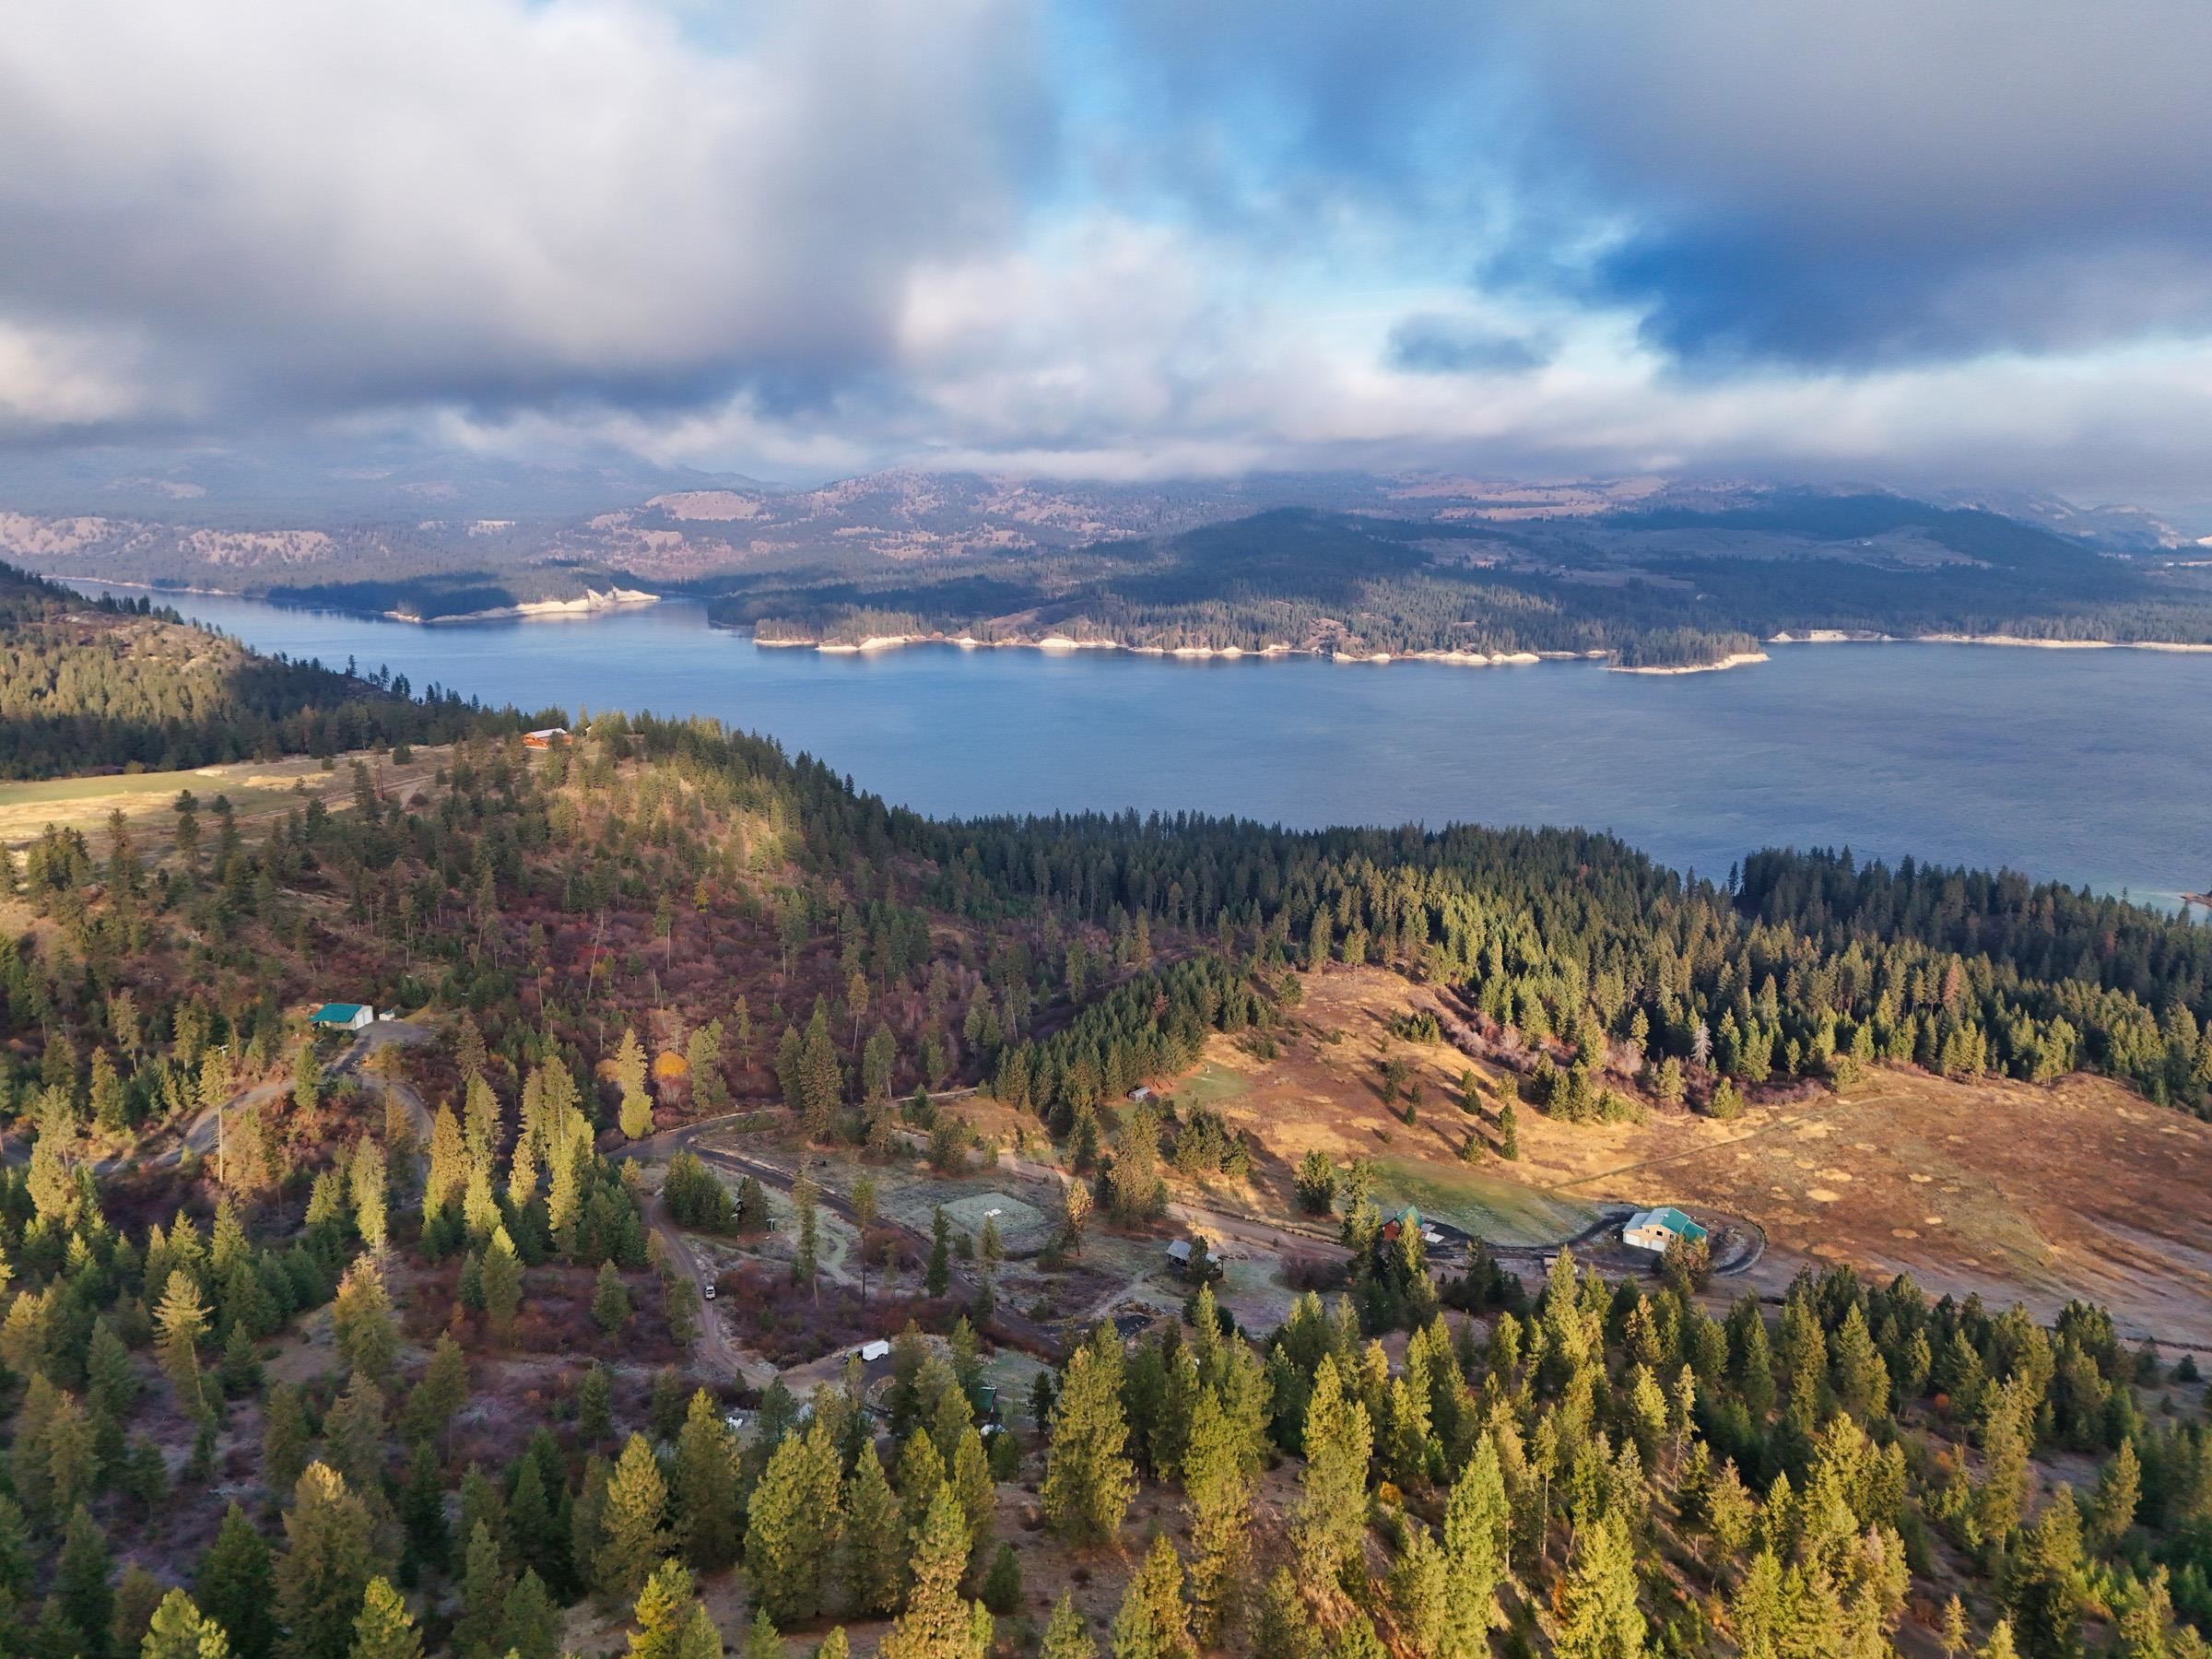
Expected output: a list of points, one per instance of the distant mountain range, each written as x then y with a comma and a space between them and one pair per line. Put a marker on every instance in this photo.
1680, 571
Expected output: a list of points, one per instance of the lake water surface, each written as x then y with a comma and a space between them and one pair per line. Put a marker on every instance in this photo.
2089, 766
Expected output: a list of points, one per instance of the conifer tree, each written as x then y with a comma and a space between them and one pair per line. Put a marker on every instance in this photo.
88, 1604
362, 1318
1217, 1493
323, 1574
180, 1630
938, 1623
610, 1299
235, 1585
501, 1274
1066, 1636
182, 1322
874, 1558
383, 1629
530, 1620
1419, 1592
633, 1535
1332, 1507
443, 1391
284, 1437
666, 1604
1153, 1622
707, 1513
1598, 1615
792, 1524
481, 1631
1088, 1479
921, 1473
978, 1493
1477, 1526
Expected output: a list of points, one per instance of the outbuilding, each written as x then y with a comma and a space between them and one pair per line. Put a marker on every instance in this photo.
342, 1017
1654, 1229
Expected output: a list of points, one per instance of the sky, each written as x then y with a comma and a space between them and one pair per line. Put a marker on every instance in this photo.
1961, 244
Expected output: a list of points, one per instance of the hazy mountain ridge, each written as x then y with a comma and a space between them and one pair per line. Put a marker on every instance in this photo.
1646, 568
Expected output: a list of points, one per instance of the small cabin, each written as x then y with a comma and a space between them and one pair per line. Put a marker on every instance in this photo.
544, 737
1189, 1258
1655, 1230
342, 1017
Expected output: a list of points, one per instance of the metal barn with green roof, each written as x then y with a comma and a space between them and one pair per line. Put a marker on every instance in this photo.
1654, 1229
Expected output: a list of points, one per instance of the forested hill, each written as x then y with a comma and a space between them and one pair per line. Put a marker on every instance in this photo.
1671, 586
89, 686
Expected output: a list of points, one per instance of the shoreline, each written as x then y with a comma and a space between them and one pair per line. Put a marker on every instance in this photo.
598, 603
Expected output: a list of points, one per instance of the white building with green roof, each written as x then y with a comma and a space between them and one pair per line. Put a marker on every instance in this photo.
1654, 1229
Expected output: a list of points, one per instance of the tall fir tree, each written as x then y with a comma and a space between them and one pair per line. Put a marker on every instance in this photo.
938, 1622
633, 1532
329, 1557
792, 1524
1332, 1507
1088, 1478
383, 1629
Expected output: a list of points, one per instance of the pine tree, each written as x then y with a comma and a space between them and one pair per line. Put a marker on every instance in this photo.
666, 1604
708, 1519
323, 1574
610, 1299
2119, 1489
182, 1322
978, 1493
820, 1082
938, 1623
481, 1631
1419, 1592
1153, 1622
284, 1437
803, 1264
361, 1317
792, 1524
937, 1276
180, 1630
530, 1620
501, 1276
1088, 1479
88, 1604
1217, 1493
1478, 1523
762, 1641
1332, 1507
874, 1559
633, 1536
443, 1391
1066, 1636
382, 1630
2044, 1590
1598, 1615
235, 1586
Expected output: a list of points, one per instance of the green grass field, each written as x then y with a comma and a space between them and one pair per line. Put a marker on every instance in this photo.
1501, 1211
1211, 1085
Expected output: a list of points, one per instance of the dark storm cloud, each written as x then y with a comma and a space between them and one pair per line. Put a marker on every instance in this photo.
1882, 181
310, 209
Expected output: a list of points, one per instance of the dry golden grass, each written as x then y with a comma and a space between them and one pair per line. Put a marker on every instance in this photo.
2019, 1192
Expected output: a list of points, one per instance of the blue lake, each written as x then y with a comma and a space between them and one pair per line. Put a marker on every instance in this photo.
2088, 766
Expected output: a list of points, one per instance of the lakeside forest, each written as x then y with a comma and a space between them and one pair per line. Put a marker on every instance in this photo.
413, 1367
